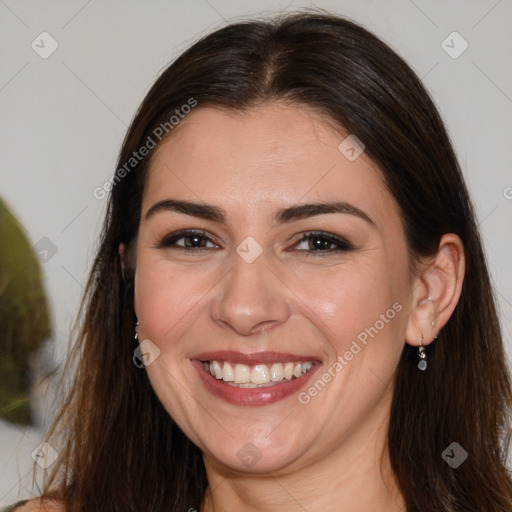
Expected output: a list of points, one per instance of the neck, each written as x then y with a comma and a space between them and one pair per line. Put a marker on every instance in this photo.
355, 476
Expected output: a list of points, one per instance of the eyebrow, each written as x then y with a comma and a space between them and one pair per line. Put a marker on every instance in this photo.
203, 211
285, 215
304, 211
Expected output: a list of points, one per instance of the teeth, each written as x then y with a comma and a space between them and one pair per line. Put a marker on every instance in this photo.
260, 375
242, 374
277, 372
228, 375
288, 370
306, 367
217, 370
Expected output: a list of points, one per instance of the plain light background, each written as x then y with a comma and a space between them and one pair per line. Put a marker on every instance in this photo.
63, 120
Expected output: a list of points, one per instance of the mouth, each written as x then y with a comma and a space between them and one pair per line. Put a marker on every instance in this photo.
254, 379
256, 376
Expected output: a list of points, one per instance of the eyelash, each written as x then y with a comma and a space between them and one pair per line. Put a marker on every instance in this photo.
341, 244
169, 242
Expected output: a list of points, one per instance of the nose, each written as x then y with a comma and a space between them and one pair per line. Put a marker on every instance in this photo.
251, 298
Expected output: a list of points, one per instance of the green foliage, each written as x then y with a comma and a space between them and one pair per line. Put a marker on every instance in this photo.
24, 318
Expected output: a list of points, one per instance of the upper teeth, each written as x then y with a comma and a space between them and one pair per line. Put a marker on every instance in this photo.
257, 375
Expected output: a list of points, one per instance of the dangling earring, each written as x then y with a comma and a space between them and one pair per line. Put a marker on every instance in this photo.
422, 363
137, 355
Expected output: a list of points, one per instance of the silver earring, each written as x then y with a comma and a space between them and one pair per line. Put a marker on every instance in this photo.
136, 336
422, 363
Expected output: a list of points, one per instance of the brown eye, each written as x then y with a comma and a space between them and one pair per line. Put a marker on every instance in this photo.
322, 242
195, 241
188, 240
318, 243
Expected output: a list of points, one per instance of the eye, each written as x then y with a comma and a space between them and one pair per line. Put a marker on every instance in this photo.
188, 240
318, 242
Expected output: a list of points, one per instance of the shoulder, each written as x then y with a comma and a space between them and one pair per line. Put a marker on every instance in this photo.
38, 505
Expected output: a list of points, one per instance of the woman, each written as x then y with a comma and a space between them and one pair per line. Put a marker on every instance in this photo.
290, 307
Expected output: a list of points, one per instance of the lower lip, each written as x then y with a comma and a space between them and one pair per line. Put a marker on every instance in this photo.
252, 396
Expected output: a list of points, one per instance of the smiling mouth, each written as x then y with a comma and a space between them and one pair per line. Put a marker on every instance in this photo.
258, 375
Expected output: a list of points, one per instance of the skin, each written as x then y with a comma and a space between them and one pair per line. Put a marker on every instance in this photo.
328, 454
290, 299
38, 506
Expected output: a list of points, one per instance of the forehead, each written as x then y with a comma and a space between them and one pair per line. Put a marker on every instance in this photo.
274, 154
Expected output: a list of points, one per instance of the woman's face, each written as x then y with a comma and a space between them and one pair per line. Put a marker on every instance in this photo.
275, 260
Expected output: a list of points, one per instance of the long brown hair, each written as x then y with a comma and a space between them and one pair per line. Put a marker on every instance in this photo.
123, 452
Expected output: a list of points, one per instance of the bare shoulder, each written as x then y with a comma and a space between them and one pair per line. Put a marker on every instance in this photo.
38, 505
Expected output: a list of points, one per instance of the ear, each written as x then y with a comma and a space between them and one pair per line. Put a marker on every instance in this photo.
436, 291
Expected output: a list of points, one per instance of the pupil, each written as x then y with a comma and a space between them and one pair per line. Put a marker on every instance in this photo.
194, 241
319, 243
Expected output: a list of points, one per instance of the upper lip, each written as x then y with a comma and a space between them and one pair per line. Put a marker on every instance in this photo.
253, 358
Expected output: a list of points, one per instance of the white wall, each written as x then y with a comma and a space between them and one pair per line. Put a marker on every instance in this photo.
63, 118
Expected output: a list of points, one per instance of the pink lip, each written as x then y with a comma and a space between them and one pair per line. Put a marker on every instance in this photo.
252, 359
251, 396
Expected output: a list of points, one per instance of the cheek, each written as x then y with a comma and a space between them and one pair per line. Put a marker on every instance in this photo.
163, 299
352, 298
356, 305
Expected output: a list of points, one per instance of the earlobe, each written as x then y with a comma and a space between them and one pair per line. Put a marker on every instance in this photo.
437, 291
